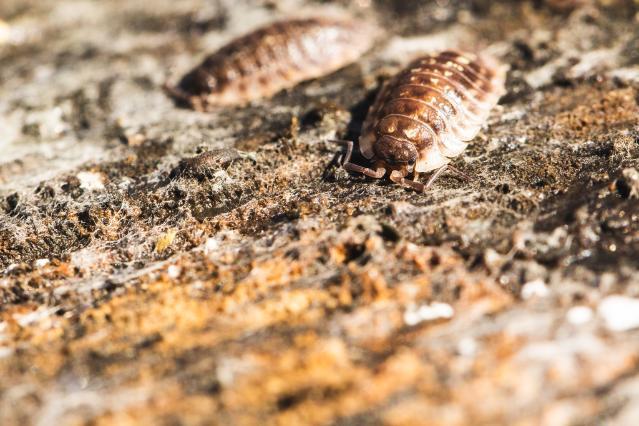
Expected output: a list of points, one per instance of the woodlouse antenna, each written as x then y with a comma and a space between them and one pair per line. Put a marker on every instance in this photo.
352, 167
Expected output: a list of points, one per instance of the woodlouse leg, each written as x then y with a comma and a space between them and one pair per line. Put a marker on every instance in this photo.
377, 174
435, 175
460, 173
418, 186
407, 183
352, 167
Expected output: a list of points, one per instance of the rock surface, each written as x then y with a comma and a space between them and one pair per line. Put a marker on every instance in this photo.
163, 266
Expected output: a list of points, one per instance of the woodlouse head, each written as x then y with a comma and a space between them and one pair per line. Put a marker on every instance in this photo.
395, 152
197, 82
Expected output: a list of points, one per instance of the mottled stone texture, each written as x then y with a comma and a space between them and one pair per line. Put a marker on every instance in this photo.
165, 266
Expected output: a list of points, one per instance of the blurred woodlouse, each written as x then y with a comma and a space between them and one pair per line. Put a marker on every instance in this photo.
273, 58
424, 115
205, 165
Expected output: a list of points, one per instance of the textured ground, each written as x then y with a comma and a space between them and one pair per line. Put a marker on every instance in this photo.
163, 266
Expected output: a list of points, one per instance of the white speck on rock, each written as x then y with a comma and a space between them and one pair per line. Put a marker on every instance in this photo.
229, 369
11, 268
5, 352
125, 183
174, 271
49, 123
467, 347
627, 74
619, 313
535, 288
631, 176
211, 245
41, 263
493, 259
513, 115
543, 75
5, 32
436, 310
399, 208
90, 181
590, 62
578, 315
36, 316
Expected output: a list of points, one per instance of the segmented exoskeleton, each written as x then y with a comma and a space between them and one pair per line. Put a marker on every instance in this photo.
272, 58
426, 114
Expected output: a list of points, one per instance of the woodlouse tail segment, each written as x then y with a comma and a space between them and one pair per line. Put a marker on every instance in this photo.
499, 71
356, 168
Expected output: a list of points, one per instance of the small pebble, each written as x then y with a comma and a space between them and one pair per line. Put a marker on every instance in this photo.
513, 115
90, 181
493, 260
11, 268
435, 310
467, 347
34, 317
5, 352
535, 288
578, 315
211, 245
165, 240
41, 263
47, 124
628, 185
620, 313
174, 271
5, 32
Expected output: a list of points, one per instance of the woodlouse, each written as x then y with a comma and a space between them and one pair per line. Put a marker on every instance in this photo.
272, 58
205, 165
423, 116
